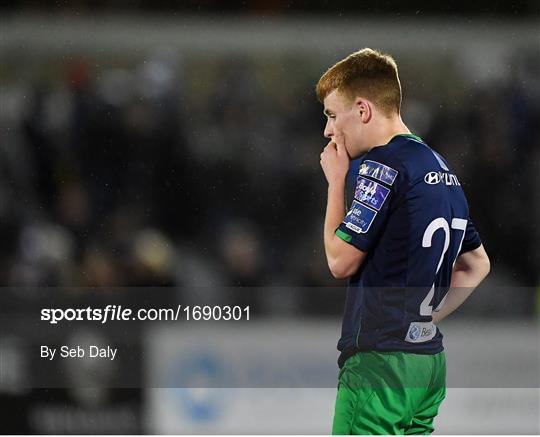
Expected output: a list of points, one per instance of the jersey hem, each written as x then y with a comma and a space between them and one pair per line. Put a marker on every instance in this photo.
349, 351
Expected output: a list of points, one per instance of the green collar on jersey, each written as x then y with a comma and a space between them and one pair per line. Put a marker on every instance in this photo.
413, 136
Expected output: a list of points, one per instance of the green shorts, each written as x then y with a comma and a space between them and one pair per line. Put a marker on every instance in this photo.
389, 393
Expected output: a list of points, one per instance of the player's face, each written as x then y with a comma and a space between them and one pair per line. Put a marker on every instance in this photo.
343, 124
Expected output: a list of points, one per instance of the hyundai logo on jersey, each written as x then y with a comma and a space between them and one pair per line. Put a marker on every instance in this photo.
434, 177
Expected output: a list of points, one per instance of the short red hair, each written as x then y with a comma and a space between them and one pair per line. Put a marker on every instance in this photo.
367, 73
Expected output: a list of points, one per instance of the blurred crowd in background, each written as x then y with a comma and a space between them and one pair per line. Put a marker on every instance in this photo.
172, 169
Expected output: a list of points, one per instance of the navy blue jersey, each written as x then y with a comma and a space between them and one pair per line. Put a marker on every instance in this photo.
410, 215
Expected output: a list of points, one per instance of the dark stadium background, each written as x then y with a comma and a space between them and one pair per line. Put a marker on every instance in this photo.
126, 166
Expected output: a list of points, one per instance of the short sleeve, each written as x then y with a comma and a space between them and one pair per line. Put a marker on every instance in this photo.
377, 186
471, 240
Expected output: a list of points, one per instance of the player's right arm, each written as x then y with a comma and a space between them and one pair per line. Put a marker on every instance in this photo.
469, 271
343, 259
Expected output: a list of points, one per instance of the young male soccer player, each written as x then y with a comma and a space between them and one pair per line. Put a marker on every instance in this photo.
405, 241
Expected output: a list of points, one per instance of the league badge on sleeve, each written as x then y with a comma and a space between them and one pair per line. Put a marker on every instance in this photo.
370, 193
378, 171
359, 218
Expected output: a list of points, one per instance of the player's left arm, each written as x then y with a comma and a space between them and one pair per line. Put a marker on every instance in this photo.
469, 271
343, 259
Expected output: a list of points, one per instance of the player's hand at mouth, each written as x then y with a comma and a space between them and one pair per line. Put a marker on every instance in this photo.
335, 162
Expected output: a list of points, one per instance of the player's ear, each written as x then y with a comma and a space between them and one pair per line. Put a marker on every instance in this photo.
363, 108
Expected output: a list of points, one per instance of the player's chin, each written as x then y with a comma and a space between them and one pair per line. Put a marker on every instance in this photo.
353, 154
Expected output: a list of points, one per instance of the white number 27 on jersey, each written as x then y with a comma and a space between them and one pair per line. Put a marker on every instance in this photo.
457, 224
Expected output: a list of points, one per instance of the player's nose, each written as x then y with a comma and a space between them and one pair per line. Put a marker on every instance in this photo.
328, 131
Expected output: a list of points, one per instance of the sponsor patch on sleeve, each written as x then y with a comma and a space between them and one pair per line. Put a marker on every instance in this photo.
359, 218
378, 171
370, 193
